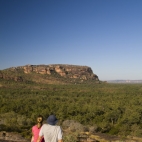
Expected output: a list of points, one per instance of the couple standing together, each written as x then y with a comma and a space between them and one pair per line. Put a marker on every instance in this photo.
49, 132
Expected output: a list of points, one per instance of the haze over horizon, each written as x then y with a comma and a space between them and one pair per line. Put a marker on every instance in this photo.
104, 35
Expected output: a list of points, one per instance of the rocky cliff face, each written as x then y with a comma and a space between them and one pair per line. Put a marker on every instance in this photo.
71, 71
66, 71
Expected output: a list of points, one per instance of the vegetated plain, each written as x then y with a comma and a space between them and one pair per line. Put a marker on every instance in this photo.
112, 108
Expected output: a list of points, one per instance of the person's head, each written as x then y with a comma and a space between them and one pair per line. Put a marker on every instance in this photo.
39, 119
52, 120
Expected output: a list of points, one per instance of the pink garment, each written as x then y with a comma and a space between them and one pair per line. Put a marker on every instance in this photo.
35, 131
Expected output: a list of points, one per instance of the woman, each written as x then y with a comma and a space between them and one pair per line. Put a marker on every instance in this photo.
36, 128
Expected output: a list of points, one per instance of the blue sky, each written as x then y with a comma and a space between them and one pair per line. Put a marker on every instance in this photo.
105, 35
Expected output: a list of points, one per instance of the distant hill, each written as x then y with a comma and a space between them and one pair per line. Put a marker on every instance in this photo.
124, 81
50, 74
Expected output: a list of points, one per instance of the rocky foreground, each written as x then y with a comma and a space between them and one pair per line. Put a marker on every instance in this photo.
11, 137
82, 137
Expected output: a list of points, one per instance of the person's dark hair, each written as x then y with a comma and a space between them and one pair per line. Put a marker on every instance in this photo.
39, 121
40, 116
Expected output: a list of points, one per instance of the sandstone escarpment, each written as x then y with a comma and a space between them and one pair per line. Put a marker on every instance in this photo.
70, 73
10, 77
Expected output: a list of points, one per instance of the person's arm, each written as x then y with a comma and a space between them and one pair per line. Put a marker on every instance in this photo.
39, 138
40, 135
60, 134
32, 139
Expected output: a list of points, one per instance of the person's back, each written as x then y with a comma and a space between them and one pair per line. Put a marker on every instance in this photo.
50, 131
35, 133
36, 128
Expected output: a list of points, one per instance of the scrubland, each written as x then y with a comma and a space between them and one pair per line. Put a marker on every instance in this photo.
113, 109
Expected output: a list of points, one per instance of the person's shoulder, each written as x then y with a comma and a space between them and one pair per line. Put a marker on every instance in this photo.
34, 127
58, 127
44, 125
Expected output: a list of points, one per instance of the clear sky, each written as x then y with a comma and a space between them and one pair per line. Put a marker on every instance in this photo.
105, 35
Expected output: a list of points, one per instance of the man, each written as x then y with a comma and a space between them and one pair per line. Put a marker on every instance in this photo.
50, 131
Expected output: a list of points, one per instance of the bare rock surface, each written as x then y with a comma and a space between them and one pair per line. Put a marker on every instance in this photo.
11, 137
71, 71
82, 137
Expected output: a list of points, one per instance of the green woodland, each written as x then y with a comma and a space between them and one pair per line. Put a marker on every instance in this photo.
114, 109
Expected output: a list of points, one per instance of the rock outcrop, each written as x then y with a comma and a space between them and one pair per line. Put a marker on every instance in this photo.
11, 137
69, 72
9, 77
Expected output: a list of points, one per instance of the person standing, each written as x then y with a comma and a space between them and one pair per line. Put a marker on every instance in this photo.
50, 131
36, 128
